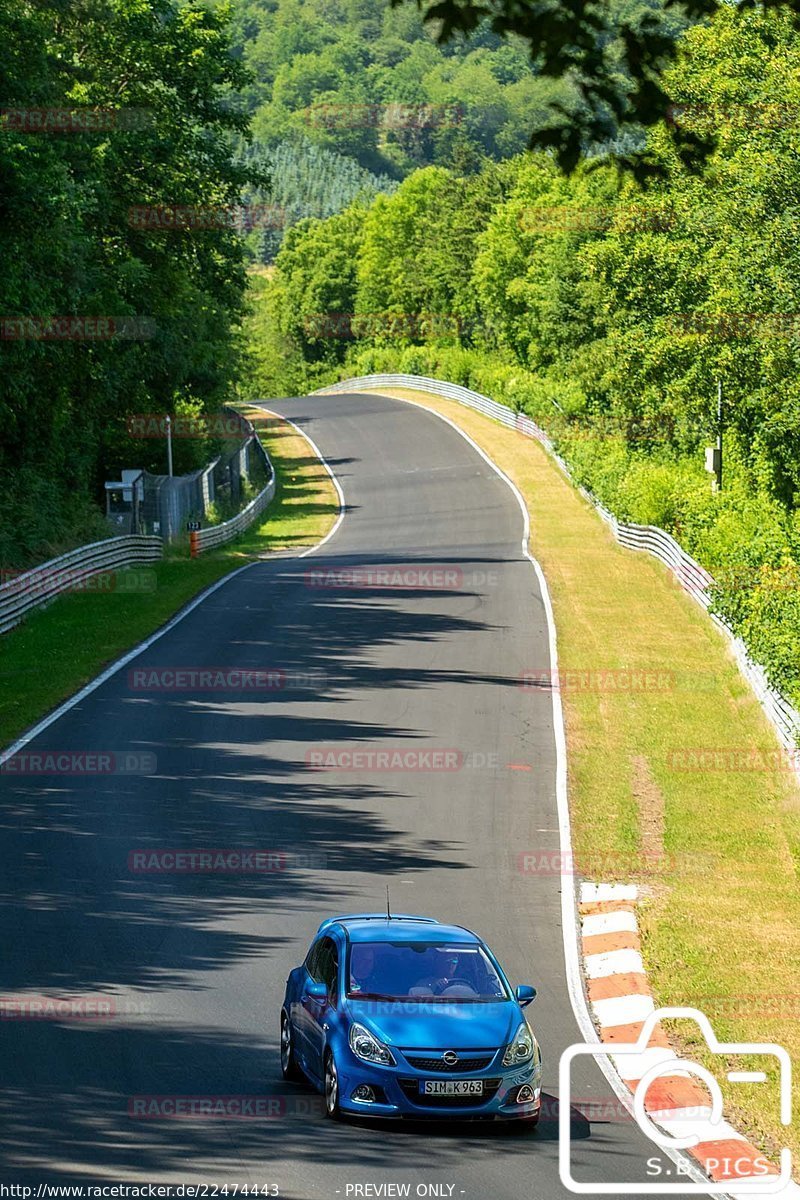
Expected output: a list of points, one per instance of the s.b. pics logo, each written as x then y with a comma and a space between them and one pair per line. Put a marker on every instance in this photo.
674, 1128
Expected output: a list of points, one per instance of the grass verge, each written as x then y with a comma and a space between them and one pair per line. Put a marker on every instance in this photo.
59, 649
647, 682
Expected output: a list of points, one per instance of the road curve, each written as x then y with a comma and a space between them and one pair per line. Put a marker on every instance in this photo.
196, 963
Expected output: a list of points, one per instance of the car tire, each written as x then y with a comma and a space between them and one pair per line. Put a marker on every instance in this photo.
289, 1067
331, 1091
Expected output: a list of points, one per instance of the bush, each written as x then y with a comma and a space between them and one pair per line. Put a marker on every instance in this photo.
743, 536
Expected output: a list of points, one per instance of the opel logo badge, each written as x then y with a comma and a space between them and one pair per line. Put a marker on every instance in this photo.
450, 1057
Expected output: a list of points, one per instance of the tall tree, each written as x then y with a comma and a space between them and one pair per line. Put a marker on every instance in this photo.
154, 81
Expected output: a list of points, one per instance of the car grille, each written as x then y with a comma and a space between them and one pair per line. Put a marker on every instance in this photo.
477, 1063
412, 1092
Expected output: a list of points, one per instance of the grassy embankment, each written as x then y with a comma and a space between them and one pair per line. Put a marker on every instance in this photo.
57, 650
717, 852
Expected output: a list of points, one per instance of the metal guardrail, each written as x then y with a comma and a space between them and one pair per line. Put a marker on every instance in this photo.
217, 535
70, 572
691, 576
251, 438
226, 531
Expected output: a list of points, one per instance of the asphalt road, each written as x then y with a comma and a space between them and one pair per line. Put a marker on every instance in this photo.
196, 963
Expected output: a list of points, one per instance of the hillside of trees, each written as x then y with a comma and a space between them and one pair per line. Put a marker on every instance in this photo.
305, 180
152, 85
368, 85
347, 98
606, 309
332, 73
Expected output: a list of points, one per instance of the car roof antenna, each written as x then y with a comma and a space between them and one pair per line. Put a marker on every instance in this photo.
388, 910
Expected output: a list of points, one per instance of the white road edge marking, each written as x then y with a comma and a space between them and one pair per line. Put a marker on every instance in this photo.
327, 467
569, 912
100, 679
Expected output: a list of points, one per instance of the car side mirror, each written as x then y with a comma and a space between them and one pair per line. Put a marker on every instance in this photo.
524, 994
316, 991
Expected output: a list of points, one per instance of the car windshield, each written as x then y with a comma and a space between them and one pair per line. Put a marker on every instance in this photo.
417, 971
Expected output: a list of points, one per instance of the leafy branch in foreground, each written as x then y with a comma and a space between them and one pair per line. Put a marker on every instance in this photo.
614, 57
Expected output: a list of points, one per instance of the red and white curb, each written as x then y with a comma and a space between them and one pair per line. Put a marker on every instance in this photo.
621, 1001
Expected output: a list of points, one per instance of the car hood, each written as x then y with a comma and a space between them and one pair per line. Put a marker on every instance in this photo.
438, 1026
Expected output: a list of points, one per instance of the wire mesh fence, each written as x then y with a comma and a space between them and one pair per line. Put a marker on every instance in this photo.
173, 504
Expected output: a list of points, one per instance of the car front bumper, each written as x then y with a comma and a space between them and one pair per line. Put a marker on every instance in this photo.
397, 1092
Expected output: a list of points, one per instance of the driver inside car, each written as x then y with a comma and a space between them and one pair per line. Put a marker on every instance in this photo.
364, 969
445, 971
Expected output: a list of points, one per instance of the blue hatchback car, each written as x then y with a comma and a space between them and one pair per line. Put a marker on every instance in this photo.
405, 1017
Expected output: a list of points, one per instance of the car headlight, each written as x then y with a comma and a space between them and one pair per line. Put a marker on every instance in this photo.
522, 1047
367, 1047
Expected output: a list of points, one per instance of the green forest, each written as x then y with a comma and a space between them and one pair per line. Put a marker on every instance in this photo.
159, 96
348, 97
588, 211
147, 94
412, 231
606, 309
338, 74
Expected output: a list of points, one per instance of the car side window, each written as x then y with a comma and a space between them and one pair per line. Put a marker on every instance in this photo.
313, 960
328, 965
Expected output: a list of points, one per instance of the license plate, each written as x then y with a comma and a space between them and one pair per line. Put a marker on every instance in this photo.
451, 1087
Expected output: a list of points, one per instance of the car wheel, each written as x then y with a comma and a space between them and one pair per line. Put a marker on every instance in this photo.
289, 1068
332, 1109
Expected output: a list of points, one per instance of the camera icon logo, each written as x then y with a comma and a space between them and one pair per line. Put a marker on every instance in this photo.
687, 1130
